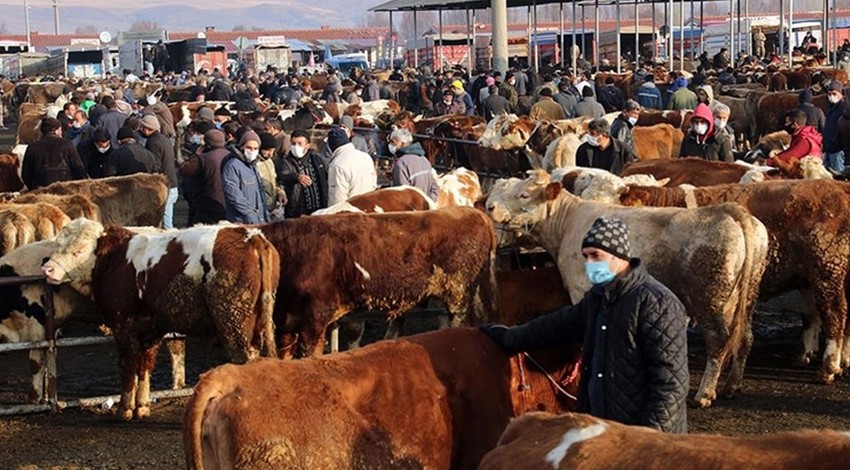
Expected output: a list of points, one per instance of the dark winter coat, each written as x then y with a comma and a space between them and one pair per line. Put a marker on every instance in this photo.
814, 116
412, 168
640, 349
288, 169
830, 127
51, 159
613, 158
621, 130
611, 98
131, 158
718, 147
93, 160
162, 147
843, 131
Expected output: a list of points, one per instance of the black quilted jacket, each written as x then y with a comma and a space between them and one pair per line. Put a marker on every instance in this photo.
644, 346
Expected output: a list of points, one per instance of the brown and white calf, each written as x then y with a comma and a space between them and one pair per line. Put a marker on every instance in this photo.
574, 441
394, 199
200, 281
332, 265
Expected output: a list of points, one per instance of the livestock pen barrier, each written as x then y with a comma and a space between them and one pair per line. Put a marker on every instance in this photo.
51, 344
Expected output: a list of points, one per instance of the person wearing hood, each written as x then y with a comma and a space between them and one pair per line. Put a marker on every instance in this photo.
621, 129
702, 140
705, 95
649, 96
303, 176
241, 184
832, 151
588, 107
566, 99
268, 174
805, 140
610, 97
162, 113
484, 92
350, 172
412, 168
163, 148
601, 150
95, 151
682, 98
462, 96
814, 115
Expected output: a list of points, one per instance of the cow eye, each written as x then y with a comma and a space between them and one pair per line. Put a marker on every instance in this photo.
524, 195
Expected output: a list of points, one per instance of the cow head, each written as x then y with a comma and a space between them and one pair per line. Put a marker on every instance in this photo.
770, 143
459, 188
74, 261
521, 204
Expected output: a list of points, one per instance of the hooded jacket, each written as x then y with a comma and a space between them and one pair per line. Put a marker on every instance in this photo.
413, 169
350, 173
649, 96
805, 142
642, 354
713, 146
709, 92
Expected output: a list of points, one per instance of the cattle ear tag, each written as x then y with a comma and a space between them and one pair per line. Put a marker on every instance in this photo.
553, 190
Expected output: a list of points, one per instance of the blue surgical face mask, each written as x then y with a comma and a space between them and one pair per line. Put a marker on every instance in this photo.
598, 272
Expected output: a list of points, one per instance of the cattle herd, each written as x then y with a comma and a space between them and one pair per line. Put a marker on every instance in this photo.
720, 235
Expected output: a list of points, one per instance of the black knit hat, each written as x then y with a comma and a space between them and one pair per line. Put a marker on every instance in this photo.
611, 235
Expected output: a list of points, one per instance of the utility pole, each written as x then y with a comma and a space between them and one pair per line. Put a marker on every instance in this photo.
27, 21
499, 10
56, 17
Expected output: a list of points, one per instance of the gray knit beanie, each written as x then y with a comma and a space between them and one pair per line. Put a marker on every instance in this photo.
611, 235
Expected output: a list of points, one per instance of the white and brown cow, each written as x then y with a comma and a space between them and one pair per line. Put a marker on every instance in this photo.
335, 264
394, 199
573, 441
711, 259
200, 281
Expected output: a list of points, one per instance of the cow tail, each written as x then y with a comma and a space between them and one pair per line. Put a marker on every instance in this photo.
269, 277
193, 421
487, 288
745, 308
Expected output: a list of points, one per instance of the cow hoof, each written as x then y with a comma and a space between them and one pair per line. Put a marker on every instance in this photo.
827, 378
126, 415
802, 361
143, 412
703, 402
729, 392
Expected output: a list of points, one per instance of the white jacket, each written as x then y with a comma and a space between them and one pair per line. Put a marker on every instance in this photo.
351, 172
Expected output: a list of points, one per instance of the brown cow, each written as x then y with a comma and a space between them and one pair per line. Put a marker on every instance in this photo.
199, 281
808, 248
437, 400
692, 171
582, 442
677, 119
75, 206
47, 219
16, 230
395, 199
660, 141
46, 93
770, 111
334, 264
525, 295
135, 200
10, 180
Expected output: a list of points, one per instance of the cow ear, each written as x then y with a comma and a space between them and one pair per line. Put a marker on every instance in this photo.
553, 190
663, 182
481, 203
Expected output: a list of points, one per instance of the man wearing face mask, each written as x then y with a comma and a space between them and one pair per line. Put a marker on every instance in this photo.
601, 151
805, 140
412, 168
162, 113
463, 97
633, 331
243, 189
303, 176
721, 114
832, 151
621, 129
94, 152
51, 158
702, 140
81, 128
508, 90
449, 105
350, 171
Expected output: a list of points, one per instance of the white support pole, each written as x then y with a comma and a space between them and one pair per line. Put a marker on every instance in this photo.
619, 34
681, 34
561, 39
573, 57
670, 38
440, 13
499, 17
27, 25
749, 27
469, 45
536, 42
391, 42
596, 38
790, 33
732, 30
415, 39
637, 35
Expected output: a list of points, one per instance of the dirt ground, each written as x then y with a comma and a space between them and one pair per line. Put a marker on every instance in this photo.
776, 397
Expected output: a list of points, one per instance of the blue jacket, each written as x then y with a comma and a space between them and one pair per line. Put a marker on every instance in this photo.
649, 96
243, 191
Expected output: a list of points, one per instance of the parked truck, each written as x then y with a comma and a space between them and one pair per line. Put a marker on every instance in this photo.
187, 54
25, 63
277, 55
80, 61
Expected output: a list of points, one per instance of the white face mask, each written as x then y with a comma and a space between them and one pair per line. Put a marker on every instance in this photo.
103, 149
593, 140
151, 100
633, 120
358, 92
834, 99
701, 128
251, 155
393, 148
298, 151
720, 123
195, 139
77, 125
447, 102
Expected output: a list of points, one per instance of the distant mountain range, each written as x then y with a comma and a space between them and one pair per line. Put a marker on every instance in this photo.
183, 17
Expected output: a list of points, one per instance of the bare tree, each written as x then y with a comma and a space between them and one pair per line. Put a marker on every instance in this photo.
240, 27
87, 30
3, 29
140, 25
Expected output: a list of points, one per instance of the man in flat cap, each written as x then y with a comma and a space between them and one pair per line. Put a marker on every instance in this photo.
634, 359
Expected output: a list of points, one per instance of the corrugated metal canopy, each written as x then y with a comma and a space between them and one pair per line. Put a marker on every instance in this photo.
433, 5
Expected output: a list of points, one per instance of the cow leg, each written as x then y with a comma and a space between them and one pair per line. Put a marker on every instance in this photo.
716, 356
177, 352
127, 361
833, 307
811, 335
353, 333
37, 369
394, 327
144, 367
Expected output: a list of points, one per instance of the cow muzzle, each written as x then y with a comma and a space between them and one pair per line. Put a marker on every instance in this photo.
53, 272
